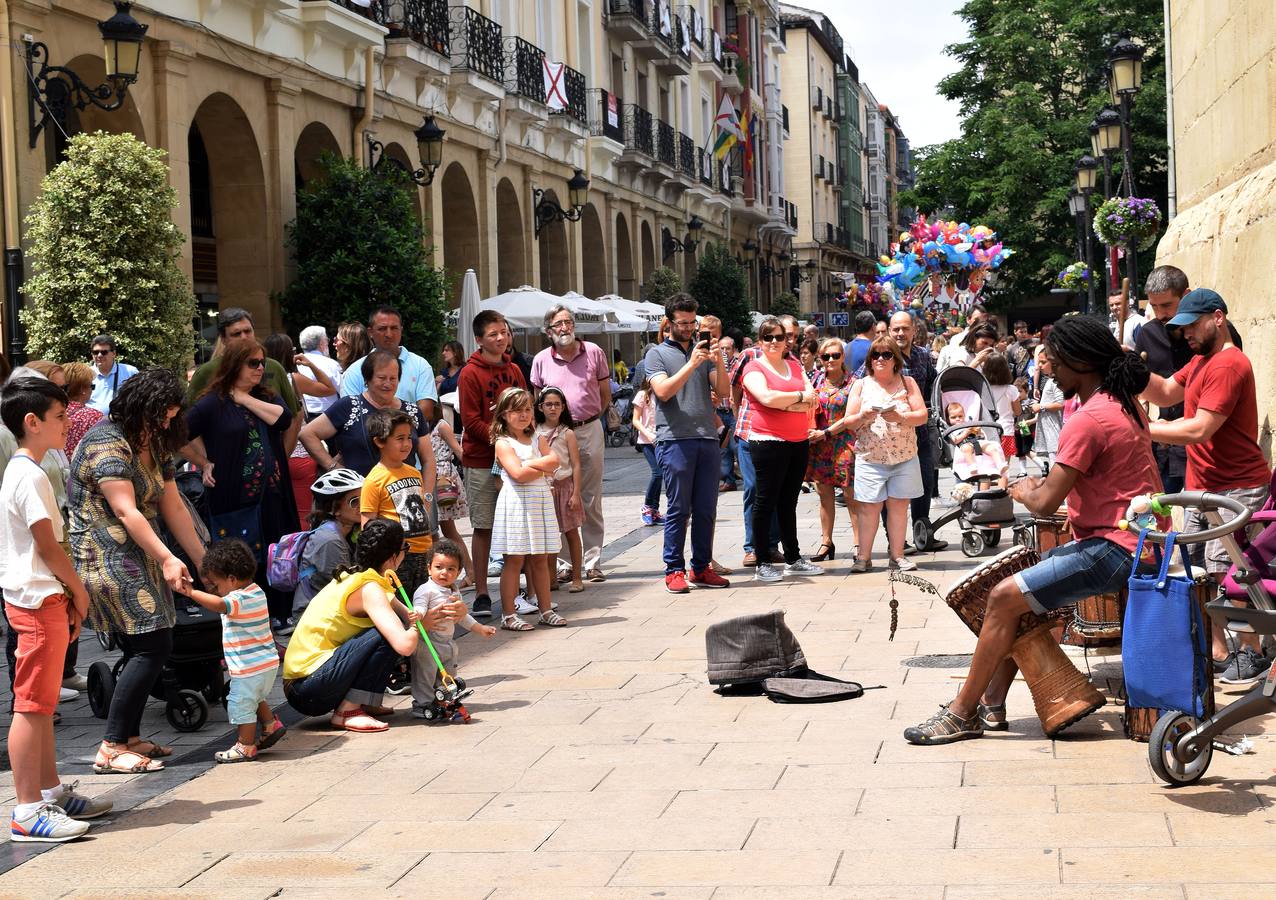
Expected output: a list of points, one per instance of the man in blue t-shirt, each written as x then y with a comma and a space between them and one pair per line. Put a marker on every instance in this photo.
857, 348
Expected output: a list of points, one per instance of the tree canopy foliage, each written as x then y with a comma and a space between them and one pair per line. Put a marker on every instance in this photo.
720, 288
1031, 80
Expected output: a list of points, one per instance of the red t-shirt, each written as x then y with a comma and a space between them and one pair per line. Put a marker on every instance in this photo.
1114, 456
1223, 384
778, 423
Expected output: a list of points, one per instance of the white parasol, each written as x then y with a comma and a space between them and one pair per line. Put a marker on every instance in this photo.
469, 309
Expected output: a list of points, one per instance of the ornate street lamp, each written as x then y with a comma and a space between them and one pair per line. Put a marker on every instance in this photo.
806, 271
547, 209
1079, 203
1087, 173
53, 91
671, 245
429, 144
750, 249
1125, 67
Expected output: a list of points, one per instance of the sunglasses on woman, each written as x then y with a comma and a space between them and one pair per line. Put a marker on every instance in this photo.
771, 338
255, 363
829, 357
882, 354
352, 502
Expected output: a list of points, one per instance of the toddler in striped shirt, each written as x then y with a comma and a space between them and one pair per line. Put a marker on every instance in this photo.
251, 656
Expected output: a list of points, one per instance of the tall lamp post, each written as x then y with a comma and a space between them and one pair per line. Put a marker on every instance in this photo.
1105, 143
1125, 78
1087, 174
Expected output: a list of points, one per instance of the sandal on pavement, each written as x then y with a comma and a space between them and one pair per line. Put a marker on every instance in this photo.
944, 727
271, 737
237, 753
379, 712
993, 717
110, 761
576, 588
595, 575
156, 751
358, 721
514, 623
552, 619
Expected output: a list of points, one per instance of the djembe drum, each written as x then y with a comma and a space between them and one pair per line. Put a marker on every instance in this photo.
1060, 693
1097, 619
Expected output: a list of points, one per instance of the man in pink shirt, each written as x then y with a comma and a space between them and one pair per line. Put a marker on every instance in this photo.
580, 370
1104, 460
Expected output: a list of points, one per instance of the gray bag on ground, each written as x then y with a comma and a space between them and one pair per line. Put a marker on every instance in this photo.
758, 653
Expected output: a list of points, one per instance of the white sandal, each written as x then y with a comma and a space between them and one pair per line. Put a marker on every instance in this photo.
552, 619
514, 623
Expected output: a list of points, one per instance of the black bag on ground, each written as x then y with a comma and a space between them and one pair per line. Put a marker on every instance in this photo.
758, 654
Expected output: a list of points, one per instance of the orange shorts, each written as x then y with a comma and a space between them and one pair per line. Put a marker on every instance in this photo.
43, 636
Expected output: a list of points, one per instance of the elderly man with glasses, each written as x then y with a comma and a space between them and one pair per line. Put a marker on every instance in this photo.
108, 373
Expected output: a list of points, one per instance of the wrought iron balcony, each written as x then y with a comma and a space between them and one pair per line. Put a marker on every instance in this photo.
639, 135
705, 166
424, 21
606, 114
662, 22
687, 155
695, 25
374, 10
666, 147
682, 37
524, 69
627, 19
476, 45
573, 89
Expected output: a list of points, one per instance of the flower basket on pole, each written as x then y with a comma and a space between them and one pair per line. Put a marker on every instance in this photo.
1130, 222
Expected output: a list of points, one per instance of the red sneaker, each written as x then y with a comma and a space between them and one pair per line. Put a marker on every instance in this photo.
707, 578
676, 583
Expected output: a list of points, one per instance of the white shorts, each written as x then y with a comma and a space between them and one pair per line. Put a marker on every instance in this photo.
875, 482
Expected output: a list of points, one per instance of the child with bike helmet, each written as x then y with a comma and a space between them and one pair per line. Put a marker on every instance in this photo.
333, 516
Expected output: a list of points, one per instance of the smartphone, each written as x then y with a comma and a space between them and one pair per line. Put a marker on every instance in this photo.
705, 337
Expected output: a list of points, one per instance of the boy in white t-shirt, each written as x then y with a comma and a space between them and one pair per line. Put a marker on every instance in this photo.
45, 602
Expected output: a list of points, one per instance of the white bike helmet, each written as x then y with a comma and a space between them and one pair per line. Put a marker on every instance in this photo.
338, 481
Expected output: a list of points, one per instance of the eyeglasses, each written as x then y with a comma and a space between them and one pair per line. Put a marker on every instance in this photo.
882, 354
102, 352
551, 404
561, 326
255, 363
772, 338
827, 357
352, 502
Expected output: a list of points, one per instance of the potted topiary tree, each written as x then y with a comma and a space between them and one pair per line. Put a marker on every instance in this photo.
104, 255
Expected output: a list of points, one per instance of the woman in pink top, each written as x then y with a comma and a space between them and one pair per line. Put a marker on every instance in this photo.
782, 400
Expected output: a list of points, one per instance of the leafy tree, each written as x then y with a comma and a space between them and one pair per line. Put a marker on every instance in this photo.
786, 304
104, 252
719, 287
662, 284
1029, 84
358, 245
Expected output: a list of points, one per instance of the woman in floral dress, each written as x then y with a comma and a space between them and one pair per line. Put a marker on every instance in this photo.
832, 461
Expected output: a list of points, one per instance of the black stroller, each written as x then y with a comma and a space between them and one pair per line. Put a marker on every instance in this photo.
622, 401
984, 513
194, 676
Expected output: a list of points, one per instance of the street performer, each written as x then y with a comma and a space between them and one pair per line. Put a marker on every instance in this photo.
1104, 460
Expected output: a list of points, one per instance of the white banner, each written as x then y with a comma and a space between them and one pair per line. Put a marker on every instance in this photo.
555, 91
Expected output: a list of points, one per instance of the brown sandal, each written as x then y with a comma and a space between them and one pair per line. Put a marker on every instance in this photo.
156, 751
108, 762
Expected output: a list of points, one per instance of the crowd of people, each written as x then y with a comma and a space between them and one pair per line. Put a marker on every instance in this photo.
347, 460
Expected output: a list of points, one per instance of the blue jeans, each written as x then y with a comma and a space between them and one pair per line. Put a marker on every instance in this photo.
357, 671
920, 506
1072, 572
728, 447
749, 476
652, 497
690, 469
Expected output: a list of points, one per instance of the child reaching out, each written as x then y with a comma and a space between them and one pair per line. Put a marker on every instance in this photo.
438, 590
395, 490
554, 422
525, 527
251, 656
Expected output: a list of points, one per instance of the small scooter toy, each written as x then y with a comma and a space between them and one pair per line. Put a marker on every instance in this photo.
448, 691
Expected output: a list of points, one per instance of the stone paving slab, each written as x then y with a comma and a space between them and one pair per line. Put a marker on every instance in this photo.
600, 765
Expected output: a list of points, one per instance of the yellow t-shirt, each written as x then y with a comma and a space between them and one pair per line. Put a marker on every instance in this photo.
325, 625
398, 494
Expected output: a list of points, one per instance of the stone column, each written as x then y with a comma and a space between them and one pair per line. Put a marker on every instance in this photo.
173, 114
280, 169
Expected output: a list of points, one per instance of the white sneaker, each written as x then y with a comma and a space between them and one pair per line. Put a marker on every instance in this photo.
76, 682
495, 568
49, 824
524, 606
802, 566
768, 573
65, 694
903, 564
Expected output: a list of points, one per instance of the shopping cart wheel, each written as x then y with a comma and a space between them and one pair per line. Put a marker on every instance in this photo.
971, 543
101, 688
1166, 756
187, 711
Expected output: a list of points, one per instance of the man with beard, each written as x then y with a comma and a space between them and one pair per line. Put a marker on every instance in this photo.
1104, 461
1220, 429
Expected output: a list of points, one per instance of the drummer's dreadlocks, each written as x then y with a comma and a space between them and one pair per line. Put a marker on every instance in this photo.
1086, 345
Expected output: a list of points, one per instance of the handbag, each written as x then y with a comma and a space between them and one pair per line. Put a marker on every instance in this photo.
446, 490
1163, 638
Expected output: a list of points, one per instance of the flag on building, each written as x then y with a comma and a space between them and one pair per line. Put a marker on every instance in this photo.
747, 126
728, 127
555, 95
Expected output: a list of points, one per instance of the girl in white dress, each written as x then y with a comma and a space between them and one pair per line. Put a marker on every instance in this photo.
525, 526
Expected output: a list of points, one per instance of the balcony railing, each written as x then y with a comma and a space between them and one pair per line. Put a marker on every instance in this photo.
476, 44
705, 166
666, 151
686, 154
376, 10
682, 37
424, 21
606, 114
574, 91
638, 132
662, 22
524, 69
637, 9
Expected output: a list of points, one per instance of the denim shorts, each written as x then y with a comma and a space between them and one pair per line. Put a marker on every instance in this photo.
246, 692
875, 482
1071, 572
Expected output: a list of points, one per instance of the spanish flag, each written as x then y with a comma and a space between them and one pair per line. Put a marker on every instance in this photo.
728, 127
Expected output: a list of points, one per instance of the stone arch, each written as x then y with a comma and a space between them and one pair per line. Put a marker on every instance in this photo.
593, 252
626, 283
315, 139
231, 252
125, 120
555, 274
511, 254
460, 223
648, 250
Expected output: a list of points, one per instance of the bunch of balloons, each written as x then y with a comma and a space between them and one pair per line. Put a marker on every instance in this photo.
940, 247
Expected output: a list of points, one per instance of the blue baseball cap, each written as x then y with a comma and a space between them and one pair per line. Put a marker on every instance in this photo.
1197, 303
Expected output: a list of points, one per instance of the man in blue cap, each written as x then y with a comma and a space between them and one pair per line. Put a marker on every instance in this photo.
1220, 429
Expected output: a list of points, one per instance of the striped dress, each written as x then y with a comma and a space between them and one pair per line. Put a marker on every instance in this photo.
525, 521
246, 637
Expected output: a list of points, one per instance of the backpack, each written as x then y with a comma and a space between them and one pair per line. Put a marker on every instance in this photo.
283, 561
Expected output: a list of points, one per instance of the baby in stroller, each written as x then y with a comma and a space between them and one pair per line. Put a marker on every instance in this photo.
974, 456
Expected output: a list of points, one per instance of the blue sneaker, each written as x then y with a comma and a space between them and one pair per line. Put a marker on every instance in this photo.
649, 515
49, 824
77, 806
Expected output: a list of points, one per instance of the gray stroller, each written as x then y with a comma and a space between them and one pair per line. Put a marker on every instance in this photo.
973, 448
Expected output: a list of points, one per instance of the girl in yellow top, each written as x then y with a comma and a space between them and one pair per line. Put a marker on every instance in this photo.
395, 490
352, 634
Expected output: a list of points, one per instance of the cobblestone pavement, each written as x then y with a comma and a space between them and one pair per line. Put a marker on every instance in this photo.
600, 764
